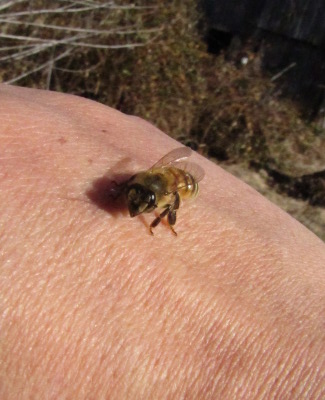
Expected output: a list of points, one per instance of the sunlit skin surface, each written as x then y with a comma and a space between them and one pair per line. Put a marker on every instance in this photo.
94, 307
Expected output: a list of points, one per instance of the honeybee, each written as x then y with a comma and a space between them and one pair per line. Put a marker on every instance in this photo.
163, 186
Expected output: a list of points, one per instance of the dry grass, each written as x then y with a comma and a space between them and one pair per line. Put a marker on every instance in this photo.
149, 59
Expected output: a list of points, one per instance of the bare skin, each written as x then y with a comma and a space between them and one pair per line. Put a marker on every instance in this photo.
94, 307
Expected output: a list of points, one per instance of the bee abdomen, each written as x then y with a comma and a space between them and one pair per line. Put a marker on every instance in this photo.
188, 186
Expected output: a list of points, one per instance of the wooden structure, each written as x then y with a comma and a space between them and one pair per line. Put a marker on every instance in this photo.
291, 34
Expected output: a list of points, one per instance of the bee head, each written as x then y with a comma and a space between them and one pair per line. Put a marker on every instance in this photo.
140, 199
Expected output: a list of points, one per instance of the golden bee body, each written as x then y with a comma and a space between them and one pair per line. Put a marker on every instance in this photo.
165, 181
163, 186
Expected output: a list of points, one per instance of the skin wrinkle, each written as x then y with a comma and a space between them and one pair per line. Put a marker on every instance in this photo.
262, 384
281, 365
290, 371
71, 349
231, 357
256, 363
281, 385
307, 370
173, 371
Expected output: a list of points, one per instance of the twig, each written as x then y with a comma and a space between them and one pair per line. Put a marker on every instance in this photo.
61, 10
40, 67
10, 3
16, 47
26, 53
80, 37
107, 46
40, 47
286, 69
126, 31
50, 71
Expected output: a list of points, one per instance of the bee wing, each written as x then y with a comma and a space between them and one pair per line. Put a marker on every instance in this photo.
193, 169
173, 156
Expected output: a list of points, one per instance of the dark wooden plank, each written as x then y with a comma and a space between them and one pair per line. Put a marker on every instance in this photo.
233, 15
289, 32
297, 19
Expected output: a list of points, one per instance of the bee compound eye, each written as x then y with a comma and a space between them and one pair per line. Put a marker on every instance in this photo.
140, 200
151, 200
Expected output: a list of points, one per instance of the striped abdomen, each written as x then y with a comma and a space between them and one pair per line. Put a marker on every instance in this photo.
183, 181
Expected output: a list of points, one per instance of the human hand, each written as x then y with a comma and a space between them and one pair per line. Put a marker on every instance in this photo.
93, 307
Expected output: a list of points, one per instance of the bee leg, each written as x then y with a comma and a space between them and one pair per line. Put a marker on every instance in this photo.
177, 201
172, 213
172, 220
157, 220
116, 190
116, 185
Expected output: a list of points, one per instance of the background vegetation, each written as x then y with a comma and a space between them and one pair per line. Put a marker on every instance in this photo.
149, 58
